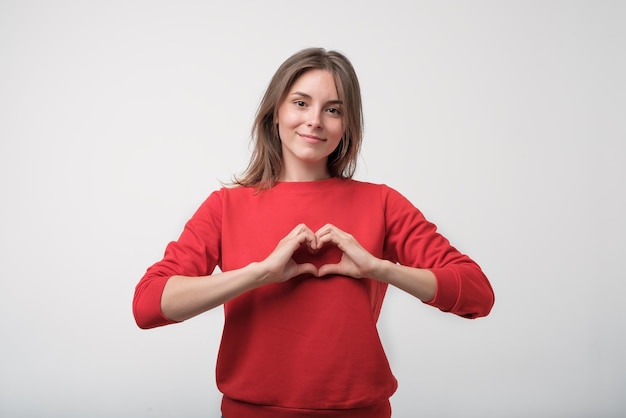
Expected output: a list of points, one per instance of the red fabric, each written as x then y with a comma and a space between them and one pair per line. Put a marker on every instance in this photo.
232, 408
310, 343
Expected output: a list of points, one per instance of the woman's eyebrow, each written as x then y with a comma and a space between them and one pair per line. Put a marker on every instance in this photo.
308, 96
299, 93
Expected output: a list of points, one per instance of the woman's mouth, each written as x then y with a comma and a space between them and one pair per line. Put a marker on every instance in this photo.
311, 138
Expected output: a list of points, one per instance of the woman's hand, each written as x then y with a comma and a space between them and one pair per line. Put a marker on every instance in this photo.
355, 261
279, 266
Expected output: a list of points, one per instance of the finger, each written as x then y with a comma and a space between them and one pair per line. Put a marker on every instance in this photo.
323, 234
332, 235
311, 238
306, 268
325, 239
325, 230
299, 230
299, 269
302, 234
327, 269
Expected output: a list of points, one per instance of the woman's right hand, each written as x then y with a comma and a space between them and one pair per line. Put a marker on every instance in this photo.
280, 266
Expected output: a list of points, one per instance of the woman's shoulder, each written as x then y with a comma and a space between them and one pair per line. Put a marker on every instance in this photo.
217, 196
389, 195
233, 193
371, 186
234, 188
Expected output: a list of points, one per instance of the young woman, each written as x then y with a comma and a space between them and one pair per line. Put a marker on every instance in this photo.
306, 255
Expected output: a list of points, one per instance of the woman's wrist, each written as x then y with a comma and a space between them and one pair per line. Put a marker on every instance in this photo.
259, 275
381, 270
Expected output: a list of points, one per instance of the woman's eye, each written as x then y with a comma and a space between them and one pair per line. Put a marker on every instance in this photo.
299, 103
334, 111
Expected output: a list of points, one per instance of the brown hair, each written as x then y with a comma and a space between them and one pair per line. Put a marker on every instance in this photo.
266, 163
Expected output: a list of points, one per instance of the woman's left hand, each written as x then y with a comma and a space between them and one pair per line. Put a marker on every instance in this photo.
355, 261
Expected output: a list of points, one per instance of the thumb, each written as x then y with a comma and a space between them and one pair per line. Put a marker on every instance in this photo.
329, 269
306, 268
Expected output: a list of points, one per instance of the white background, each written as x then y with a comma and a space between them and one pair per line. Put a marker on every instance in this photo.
504, 121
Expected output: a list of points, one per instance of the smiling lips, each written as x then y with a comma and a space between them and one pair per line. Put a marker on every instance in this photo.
311, 138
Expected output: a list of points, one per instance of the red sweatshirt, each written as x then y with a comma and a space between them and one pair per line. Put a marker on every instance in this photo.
309, 346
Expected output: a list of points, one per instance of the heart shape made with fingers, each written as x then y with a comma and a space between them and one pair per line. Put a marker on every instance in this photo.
327, 254
333, 251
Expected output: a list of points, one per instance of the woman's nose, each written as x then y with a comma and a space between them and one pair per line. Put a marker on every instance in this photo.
314, 119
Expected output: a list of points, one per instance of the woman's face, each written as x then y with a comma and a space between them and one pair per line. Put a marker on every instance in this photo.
310, 125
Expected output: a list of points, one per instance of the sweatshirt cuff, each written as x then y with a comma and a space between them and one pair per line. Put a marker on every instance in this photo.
148, 312
448, 289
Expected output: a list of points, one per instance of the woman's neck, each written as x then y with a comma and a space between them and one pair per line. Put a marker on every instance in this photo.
304, 173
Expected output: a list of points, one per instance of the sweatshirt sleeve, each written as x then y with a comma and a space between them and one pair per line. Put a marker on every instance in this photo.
195, 253
411, 240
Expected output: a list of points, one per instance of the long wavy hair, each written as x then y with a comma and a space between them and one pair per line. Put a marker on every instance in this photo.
266, 161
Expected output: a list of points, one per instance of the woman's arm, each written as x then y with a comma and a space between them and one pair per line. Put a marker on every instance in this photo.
357, 262
420, 283
456, 285
412, 241
185, 297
